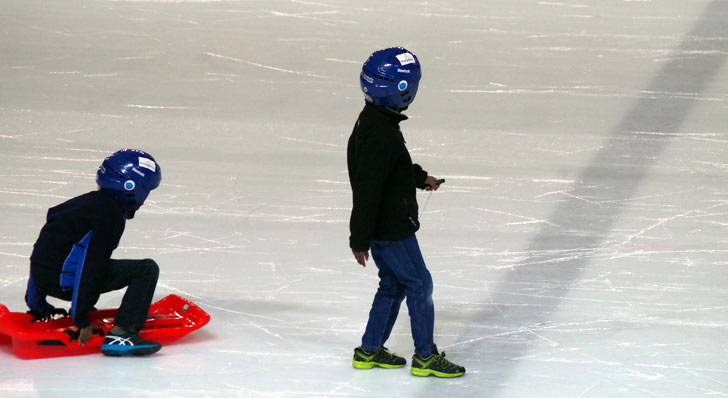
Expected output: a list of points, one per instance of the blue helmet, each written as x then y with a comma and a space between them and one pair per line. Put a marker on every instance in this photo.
390, 77
129, 175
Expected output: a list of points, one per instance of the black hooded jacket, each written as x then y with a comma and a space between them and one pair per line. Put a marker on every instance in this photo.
383, 179
66, 224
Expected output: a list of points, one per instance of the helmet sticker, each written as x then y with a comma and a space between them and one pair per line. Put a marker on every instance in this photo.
367, 78
147, 163
129, 185
402, 85
406, 59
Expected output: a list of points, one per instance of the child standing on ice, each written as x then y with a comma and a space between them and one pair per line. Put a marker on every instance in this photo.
384, 216
71, 259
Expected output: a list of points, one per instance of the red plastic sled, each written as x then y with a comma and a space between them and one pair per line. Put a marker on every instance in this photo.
170, 319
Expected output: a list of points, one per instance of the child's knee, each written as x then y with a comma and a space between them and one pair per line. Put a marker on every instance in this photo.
150, 267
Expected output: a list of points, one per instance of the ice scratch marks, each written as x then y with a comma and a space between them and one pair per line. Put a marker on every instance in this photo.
134, 58
325, 144
176, 290
74, 72
666, 220
287, 70
246, 317
587, 91
659, 223
536, 329
586, 392
227, 77
313, 16
216, 245
279, 328
11, 281
589, 358
23, 256
28, 193
81, 74
139, 106
712, 164
16, 385
319, 4
342, 61
268, 67
548, 3
515, 259
527, 220
224, 57
102, 75
687, 368
635, 201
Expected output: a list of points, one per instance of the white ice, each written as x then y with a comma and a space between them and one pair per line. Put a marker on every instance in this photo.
578, 248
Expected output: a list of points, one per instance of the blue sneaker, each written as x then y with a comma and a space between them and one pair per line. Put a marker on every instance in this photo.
128, 344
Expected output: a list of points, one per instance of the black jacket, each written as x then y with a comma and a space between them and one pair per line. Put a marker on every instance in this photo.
65, 225
383, 179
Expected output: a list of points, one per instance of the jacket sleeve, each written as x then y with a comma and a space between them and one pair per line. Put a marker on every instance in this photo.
373, 156
105, 238
420, 176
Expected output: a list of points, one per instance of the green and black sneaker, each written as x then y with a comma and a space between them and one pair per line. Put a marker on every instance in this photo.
436, 365
382, 358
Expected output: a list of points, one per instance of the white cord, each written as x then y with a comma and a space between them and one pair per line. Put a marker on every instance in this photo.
422, 211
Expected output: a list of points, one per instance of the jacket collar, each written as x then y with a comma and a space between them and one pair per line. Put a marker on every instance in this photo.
387, 112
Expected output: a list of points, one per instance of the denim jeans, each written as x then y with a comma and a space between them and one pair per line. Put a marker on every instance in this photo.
402, 273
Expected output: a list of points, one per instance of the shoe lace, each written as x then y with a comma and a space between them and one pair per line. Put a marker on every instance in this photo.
444, 362
384, 352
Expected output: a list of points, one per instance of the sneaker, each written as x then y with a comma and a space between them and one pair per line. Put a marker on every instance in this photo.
382, 358
436, 365
128, 344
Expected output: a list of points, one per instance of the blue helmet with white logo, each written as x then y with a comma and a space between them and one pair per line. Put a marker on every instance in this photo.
390, 77
129, 175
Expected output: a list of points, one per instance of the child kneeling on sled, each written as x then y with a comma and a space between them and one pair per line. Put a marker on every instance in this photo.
71, 259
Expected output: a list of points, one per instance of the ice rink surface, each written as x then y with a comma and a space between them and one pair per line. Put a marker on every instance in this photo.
578, 248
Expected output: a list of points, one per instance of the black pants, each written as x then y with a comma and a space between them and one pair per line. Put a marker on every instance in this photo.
140, 279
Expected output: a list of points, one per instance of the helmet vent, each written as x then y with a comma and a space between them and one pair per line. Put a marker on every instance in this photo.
118, 174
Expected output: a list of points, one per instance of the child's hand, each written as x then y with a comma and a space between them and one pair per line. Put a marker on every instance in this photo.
84, 335
432, 183
361, 257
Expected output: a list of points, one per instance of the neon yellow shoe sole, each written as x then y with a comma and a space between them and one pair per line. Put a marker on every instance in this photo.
369, 365
430, 372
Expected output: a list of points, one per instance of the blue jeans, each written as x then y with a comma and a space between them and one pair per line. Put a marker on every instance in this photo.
402, 273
